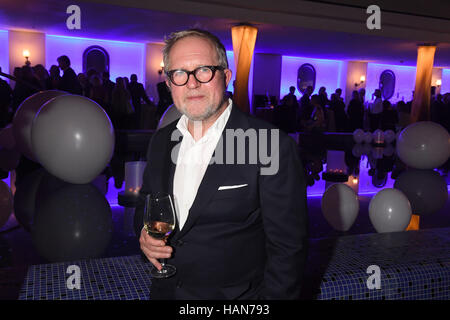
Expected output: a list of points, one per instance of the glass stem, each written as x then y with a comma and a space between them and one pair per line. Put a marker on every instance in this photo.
163, 263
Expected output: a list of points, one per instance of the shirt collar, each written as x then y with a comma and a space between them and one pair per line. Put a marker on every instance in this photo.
215, 129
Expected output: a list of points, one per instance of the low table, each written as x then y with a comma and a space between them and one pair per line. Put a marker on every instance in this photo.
413, 265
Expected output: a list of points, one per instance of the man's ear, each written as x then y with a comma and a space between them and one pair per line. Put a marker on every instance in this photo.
228, 74
168, 84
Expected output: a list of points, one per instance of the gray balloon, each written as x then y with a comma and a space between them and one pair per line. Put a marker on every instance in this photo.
169, 116
426, 190
73, 138
23, 119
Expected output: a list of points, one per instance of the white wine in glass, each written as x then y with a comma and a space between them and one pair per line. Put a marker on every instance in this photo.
159, 222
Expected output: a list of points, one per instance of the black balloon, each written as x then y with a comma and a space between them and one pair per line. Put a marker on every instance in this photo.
25, 197
426, 190
73, 222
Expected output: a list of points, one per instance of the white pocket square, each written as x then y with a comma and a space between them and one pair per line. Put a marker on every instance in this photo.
232, 187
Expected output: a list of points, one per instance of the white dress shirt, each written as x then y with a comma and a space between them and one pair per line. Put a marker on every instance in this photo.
192, 161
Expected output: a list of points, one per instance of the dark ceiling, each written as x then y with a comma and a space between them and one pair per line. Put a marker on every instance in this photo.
142, 25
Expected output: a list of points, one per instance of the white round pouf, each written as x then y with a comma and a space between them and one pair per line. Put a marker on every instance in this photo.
390, 211
424, 145
340, 206
73, 138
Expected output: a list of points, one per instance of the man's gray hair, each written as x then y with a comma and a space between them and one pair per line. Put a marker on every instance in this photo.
175, 36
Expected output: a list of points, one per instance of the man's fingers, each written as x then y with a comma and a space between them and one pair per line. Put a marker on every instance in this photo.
151, 258
156, 252
150, 240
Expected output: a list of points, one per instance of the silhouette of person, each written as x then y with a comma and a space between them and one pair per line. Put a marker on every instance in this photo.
138, 93
165, 98
290, 100
69, 81
375, 110
389, 117
355, 112
340, 117
52, 82
5, 102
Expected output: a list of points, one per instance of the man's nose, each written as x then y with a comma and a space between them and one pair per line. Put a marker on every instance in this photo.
192, 83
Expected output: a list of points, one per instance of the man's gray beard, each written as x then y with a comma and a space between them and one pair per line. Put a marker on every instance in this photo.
210, 111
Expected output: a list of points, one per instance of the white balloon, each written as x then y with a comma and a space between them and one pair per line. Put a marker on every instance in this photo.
389, 211
358, 135
367, 137
169, 116
340, 206
73, 138
424, 145
389, 136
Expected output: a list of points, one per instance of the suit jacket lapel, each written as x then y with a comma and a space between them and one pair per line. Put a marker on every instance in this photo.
215, 173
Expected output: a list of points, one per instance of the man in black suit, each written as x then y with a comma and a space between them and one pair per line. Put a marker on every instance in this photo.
241, 228
138, 93
69, 81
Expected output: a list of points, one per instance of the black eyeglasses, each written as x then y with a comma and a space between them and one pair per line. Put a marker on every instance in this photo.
203, 74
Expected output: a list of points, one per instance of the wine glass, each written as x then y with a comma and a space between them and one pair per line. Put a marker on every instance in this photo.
159, 222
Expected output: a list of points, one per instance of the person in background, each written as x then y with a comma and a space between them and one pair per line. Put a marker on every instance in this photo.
165, 99
5, 103
355, 112
317, 122
69, 81
108, 85
54, 78
438, 110
389, 117
97, 92
404, 115
323, 97
290, 100
122, 112
85, 84
375, 110
41, 75
138, 94
25, 88
338, 93
340, 117
305, 109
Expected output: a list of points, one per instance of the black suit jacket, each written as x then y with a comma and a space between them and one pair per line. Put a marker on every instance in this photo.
69, 82
244, 243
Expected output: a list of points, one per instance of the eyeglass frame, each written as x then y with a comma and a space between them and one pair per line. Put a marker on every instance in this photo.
212, 68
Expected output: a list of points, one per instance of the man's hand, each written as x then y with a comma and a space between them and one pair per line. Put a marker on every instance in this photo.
154, 249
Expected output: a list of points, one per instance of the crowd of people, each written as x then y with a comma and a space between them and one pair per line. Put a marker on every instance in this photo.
317, 113
122, 100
